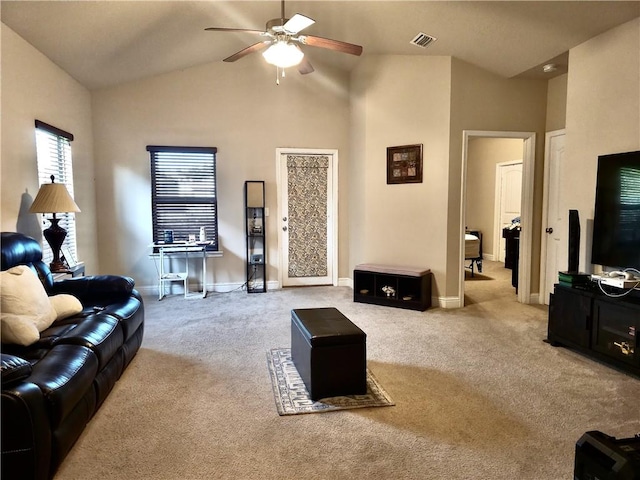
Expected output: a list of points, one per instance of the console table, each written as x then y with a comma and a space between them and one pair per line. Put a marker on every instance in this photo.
392, 286
596, 325
166, 251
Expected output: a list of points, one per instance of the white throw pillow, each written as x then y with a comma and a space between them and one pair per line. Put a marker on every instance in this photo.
25, 308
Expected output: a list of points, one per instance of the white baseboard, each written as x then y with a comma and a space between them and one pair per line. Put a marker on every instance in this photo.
442, 302
447, 302
217, 288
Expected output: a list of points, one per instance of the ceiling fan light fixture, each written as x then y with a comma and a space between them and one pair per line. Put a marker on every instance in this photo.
283, 54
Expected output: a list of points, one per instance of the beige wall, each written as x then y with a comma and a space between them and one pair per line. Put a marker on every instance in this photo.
432, 102
557, 103
237, 108
483, 155
400, 224
603, 116
34, 88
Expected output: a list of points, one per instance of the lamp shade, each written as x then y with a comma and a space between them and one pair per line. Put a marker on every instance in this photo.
283, 54
53, 198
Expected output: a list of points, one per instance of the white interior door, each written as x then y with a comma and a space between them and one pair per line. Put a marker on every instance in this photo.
552, 216
307, 216
508, 201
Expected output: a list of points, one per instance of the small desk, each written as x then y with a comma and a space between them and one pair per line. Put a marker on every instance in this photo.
182, 249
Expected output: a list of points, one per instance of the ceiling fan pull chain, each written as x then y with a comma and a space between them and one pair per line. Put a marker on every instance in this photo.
277, 76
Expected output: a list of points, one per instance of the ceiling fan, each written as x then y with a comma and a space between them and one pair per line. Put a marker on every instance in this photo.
282, 36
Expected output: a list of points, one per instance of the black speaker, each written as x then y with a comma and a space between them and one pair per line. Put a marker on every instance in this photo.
601, 457
574, 241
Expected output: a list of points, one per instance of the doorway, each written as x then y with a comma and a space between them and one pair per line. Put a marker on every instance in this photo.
526, 214
307, 216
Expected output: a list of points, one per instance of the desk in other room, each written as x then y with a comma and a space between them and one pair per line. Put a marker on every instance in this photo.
167, 250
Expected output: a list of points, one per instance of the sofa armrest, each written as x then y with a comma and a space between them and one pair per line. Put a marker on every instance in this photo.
14, 369
26, 433
96, 289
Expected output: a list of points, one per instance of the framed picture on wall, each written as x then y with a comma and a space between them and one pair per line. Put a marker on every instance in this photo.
404, 164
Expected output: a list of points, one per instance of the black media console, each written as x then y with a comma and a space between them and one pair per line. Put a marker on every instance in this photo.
602, 327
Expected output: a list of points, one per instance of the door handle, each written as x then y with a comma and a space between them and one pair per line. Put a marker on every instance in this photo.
625, 348
284, 228
284, 219
549, 230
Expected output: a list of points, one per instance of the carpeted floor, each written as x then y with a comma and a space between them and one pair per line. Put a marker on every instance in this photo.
478, 395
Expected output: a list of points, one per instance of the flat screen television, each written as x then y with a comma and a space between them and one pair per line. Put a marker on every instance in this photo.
616, 222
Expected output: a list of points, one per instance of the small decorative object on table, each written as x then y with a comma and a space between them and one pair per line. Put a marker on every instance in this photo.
390, 291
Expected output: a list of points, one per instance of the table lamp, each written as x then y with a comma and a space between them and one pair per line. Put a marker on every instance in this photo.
54, 198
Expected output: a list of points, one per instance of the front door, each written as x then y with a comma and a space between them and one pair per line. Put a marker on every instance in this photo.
307, 215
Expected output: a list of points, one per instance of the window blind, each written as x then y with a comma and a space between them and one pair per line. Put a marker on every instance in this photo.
184, 192
53, 152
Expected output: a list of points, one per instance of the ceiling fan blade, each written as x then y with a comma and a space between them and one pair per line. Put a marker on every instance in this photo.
297, 23
305, 67
256, 47
245, 30
336, 45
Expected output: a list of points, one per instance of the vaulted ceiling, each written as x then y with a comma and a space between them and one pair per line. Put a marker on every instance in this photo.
104, 43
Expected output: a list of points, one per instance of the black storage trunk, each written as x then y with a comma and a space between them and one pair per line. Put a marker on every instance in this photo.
329, 352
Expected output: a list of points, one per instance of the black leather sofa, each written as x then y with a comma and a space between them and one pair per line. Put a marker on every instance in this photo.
52, 388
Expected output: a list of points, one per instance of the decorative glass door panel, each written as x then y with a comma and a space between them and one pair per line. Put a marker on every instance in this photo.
307, 219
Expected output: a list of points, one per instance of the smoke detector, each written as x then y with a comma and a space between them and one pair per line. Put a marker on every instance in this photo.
422, 40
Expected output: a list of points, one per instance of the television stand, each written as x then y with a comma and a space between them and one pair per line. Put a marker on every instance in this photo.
601, 327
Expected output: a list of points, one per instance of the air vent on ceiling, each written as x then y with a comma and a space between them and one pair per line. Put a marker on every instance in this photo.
423, 40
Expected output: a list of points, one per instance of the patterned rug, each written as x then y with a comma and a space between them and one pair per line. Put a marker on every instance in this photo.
292, 398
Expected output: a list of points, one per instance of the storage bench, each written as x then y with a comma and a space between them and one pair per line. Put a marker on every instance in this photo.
329, 352
392, 286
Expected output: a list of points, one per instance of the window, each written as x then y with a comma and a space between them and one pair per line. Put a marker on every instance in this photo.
184, 195
53, 151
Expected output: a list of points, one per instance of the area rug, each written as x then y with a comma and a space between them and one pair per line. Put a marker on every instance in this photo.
292, 398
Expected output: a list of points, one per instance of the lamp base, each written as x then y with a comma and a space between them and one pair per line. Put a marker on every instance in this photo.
58, 267
55, 236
